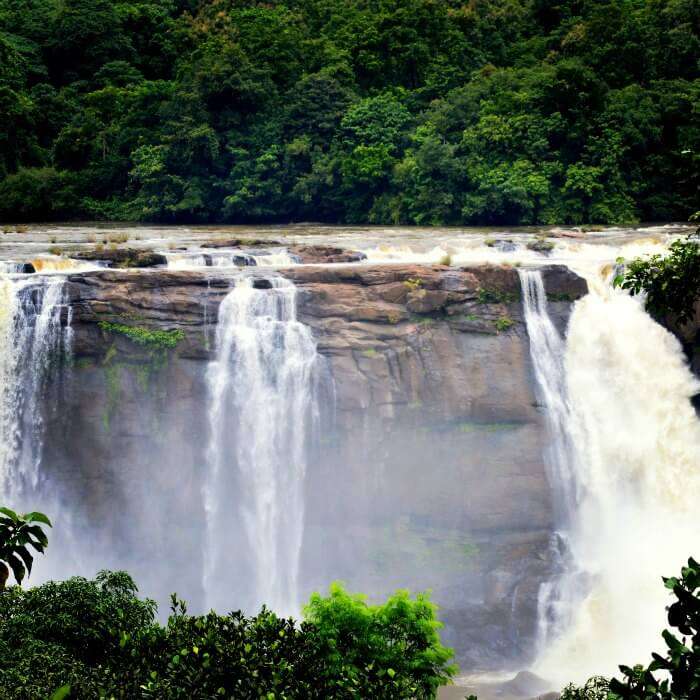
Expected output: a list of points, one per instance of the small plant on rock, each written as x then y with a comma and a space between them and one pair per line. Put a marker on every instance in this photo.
413, 283
504, 323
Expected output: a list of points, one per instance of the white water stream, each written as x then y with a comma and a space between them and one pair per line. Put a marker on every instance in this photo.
32, 339
626, 451
262, 408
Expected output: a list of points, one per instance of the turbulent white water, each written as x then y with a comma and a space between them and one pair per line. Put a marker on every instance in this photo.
32, 338
262, 408
547, 350
275, 257
631, 482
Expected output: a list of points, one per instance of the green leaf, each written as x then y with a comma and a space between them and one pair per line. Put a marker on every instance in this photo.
10, 514
17, 567
26, 557
60, 693
36, 517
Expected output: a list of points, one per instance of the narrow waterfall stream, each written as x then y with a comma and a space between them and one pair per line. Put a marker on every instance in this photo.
32, 339
262, 408
627, 449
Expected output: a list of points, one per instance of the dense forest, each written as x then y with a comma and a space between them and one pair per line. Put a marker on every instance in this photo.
379, 111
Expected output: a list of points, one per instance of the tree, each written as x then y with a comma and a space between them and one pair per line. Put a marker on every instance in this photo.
17, 534
391, 650
99, 638
671, 282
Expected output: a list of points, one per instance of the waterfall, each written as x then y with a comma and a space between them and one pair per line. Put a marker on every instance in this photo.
262, 409
32, 341
631, 480
547, 353
547, 349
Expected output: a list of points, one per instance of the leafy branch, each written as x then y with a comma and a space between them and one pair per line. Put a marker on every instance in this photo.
19, 533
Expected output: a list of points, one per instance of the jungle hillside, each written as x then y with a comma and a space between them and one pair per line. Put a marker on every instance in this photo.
430, 112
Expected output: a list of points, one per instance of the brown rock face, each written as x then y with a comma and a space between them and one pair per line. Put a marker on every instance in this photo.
428, 472
123, 257
315, 254
242, 243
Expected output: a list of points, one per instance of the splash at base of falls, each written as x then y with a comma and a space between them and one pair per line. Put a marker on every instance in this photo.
263, 409
637, 481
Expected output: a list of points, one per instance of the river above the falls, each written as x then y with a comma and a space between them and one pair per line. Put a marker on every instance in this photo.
588, 247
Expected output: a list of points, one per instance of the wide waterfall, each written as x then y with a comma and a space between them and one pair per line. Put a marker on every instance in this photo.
33, 339
262, 411
626, 442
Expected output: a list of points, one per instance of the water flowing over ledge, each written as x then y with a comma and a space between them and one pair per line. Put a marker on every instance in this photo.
263, 412
33, 341
624, 456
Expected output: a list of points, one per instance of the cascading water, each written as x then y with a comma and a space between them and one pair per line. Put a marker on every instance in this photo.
262, 410
630, 483
547, 349
547, 352
275, 257
32, 339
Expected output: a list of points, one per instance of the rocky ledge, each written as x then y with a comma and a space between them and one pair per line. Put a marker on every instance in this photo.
481, 299
428, 472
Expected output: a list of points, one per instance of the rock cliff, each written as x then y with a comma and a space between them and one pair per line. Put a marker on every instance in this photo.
429, 473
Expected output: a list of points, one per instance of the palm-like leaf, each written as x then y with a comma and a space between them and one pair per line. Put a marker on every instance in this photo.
17, 534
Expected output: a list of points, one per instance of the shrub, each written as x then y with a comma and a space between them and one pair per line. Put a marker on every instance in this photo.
504, 323
100, 639
596, 688
680, 665
384, 651
671, 283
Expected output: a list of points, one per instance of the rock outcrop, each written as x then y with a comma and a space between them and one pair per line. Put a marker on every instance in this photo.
429, 472
324, 254
122, 257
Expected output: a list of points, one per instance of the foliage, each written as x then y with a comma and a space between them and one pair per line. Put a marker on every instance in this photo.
503, 323
380, 651
389, 111
19, 533
680, 665
100, 639
671, 282
145, 336
596, 688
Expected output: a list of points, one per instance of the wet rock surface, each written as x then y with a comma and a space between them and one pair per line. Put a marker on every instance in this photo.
242, 243
428, 472
321, 254
122, 257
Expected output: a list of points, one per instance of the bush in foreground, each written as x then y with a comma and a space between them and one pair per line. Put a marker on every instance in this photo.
103, 641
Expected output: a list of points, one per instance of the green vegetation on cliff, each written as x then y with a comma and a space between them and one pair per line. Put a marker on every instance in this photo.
160, 340
671, 282
410, 111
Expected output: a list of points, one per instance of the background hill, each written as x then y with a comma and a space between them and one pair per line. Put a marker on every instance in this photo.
380, 111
